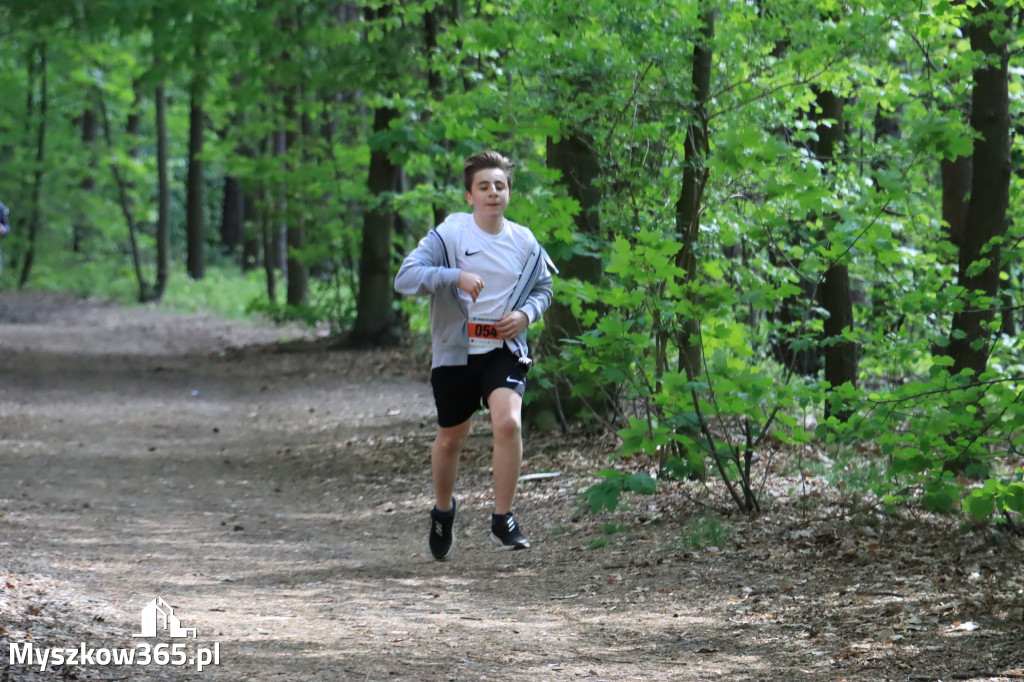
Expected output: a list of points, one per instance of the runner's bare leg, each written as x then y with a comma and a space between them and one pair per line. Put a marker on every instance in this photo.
506, 408
444, 461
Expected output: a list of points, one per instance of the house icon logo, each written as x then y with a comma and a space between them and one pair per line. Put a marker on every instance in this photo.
157, 616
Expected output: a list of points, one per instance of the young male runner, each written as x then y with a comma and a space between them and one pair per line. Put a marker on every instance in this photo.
487, 279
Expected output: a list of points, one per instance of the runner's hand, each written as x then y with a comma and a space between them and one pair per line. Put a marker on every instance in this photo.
511, 324
471, 284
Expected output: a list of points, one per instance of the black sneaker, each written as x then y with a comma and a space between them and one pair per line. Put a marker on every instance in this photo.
506, 532
442, 536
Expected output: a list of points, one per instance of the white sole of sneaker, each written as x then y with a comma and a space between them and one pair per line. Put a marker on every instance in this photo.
502, 546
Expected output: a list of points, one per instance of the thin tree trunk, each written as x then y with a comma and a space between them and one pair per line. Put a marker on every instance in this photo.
267, 231
435, 86
163, 219
37, 176
234, 200
124, 195
265, 218
691, 193
298, 274
232, 216
252, 242
194, 214
695, 175
81, 229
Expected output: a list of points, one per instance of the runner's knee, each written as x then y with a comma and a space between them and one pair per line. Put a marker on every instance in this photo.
450, 441
506, 426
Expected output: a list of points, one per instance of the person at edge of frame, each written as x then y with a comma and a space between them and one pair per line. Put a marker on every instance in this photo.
5, 227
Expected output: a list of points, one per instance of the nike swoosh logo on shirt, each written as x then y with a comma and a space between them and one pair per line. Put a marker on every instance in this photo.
515, 381
473, 253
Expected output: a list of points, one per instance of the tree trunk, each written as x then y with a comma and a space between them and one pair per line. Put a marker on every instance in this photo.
232, 216
124, 196
375, 316
435, 86
269, 249
81, 229
956, 183
989, 199
194, 214
278, 213
840, 354
695, 175
691, 193
37, 176
252, 242
561, 403
163, 219
298, 271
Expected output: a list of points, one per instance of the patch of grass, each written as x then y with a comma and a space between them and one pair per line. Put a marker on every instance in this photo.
99, 279
224, 292
705, 531
607, 529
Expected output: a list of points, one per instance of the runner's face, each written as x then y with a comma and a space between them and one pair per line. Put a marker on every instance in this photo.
489, 192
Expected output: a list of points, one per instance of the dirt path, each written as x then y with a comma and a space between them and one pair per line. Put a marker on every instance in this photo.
277, 501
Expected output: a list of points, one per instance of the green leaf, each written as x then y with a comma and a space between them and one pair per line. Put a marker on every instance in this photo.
604, 495
642, 483
980, 506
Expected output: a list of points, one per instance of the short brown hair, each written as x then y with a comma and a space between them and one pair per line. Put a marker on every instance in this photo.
484, 160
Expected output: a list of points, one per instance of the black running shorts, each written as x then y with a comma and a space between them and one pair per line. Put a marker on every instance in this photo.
460, 390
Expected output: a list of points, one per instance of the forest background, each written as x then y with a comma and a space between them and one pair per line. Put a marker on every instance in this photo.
776, 223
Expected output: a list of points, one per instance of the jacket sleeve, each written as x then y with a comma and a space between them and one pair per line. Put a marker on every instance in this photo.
423, 271
539, 297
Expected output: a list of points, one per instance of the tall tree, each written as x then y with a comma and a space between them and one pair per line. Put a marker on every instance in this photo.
195, 223
36, 109
840, 352
124, 186
986, 220
81, 229
375, 315
163, 190
163, 193
573, 156
691, 193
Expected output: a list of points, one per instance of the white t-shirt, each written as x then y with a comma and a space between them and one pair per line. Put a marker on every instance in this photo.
499, 260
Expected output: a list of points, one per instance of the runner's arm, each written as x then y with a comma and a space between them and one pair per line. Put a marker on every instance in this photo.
423, 271
539, 297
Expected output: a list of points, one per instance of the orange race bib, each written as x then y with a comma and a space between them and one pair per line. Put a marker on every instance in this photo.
482, 333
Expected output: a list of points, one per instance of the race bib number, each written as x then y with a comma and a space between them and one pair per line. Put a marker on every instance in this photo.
483, 334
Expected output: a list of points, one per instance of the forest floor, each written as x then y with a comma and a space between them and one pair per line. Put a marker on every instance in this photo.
275, 494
